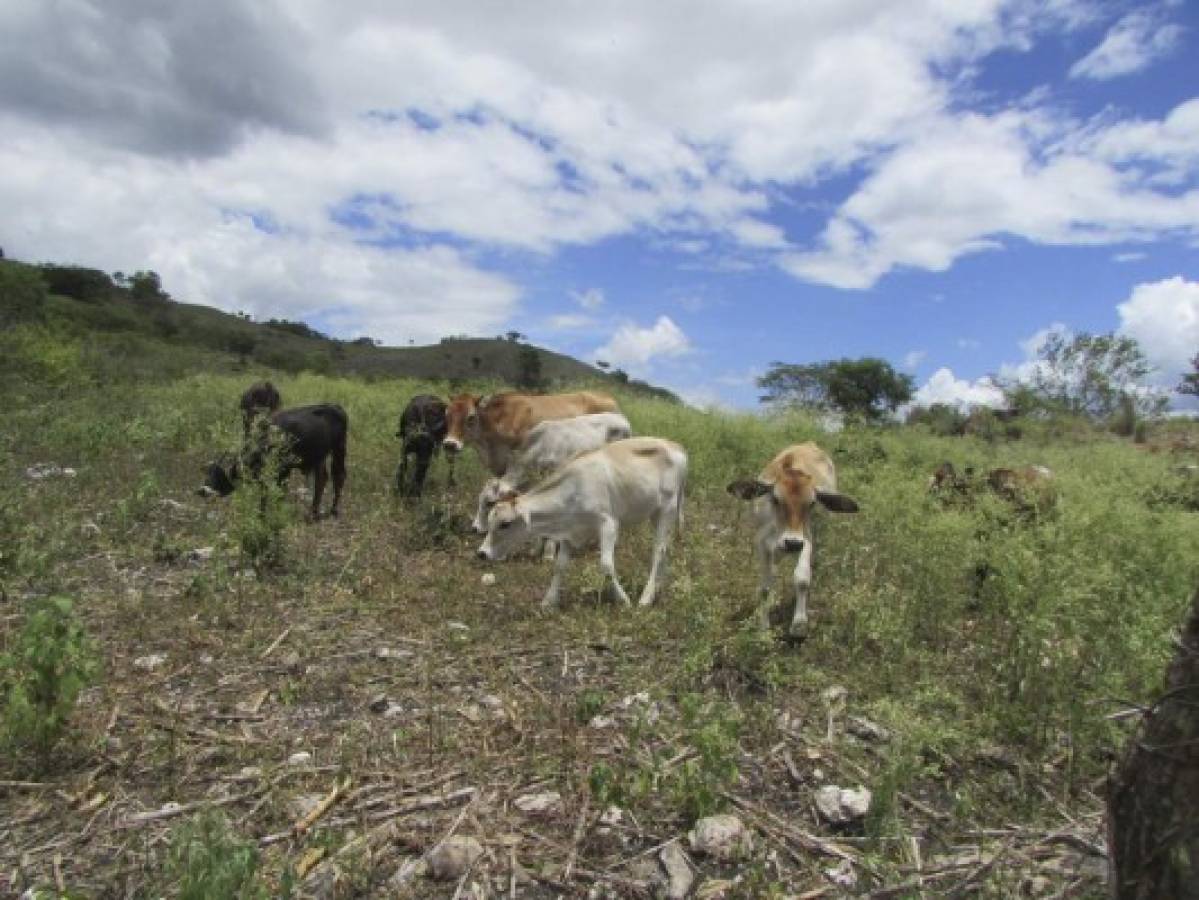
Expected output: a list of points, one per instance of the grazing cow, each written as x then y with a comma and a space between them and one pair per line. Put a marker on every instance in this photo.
784, 494
1027, 488
499, 424
591, 497
303, 438
422, 429
259, 398
548, 446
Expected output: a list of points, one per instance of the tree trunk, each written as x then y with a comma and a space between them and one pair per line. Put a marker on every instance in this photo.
1153, 797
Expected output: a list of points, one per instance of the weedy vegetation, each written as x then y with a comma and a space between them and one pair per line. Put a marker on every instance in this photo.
320, 704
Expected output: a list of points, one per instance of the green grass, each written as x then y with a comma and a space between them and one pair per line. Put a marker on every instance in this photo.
1072, 622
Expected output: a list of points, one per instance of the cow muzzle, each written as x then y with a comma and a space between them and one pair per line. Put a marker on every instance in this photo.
791, 545
451, 445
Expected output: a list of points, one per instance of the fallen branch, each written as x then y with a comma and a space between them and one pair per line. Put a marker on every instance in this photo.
307, 821
275, 643
139, 819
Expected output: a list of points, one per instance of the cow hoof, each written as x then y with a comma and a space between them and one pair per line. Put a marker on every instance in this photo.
797, 634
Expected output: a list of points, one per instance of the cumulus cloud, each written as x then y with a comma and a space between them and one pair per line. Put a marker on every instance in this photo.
590, 299
971, 180
635, 348
1131, 44
1163, 316
945, 387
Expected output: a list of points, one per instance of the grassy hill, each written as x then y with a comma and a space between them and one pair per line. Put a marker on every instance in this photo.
135, 314
964, 662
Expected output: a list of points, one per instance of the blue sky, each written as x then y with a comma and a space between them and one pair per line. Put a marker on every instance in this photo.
688, 191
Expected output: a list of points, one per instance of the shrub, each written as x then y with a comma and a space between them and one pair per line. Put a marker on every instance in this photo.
51, 662
261, 514
207, 860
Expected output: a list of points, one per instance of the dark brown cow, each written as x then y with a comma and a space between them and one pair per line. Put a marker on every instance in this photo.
303, 438
1027, 488
499, 424
260, 397
422, 429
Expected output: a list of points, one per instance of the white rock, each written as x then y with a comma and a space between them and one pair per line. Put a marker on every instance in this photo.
602, 722
200, 554
302, 758
491, 701
393, 653
303, 804
89, 529
613, 815
841, 805
488, 579
722, 837
450, 859
678, 871
843, 874
535, 804
150, 662
457, 626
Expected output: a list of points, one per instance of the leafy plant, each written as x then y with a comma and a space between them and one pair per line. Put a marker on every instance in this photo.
43, 674
261, 514
208, 861
710, 730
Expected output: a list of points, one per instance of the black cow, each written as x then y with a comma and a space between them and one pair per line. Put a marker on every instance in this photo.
422, 429
260, 397
310, 434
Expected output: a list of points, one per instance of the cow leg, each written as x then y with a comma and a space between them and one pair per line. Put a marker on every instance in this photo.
766, 559
418, 476
338, 465
609, 529
401, 472
663, 525
320, 476
803, 581
549, 548
561, 560
449, 462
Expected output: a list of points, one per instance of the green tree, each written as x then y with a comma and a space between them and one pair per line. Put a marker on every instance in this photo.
528, 362
1088, 374
1190, 381
22, 294
146, 287
868, 387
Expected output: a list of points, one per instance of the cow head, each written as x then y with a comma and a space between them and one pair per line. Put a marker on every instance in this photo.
462, 422
507, 528
787, 503
220, 478
492, 491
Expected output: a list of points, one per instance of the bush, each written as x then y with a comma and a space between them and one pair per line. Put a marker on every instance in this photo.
52, 661
207, 861
22, 294
261, 514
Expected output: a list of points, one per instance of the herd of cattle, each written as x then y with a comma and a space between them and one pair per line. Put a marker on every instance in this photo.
595, 477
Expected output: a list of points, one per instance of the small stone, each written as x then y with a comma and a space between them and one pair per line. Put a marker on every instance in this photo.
491, 701
602, 722
840, 806
867, 730
678, 871
301, 758
842, 875
250, 772
450, 859
200, 554
457, 626
488, 579
723, 837
150, 662
393, 653
290, 660
715, 889
613, 815
89, 529
536, 804
378, 703
173, 505
302, 805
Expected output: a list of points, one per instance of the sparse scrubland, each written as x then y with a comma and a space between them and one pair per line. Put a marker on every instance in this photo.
991, 647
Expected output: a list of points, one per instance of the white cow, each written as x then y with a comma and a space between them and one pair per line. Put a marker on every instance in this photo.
589, 498
784, 494
548, 446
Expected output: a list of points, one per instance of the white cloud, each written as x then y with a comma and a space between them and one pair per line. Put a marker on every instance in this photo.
944, 387
1129, 256
969, 181
1132, 44
590, 299
1163, 316
967, 343
635, 348
570, 322
914, 358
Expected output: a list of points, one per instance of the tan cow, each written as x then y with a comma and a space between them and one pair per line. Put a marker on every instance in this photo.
784, 494
499, 424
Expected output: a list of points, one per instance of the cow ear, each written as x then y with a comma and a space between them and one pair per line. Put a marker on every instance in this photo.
747, 489
837, 502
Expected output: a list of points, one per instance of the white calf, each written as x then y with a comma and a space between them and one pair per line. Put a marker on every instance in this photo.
548, 446
784, 494
589, 498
